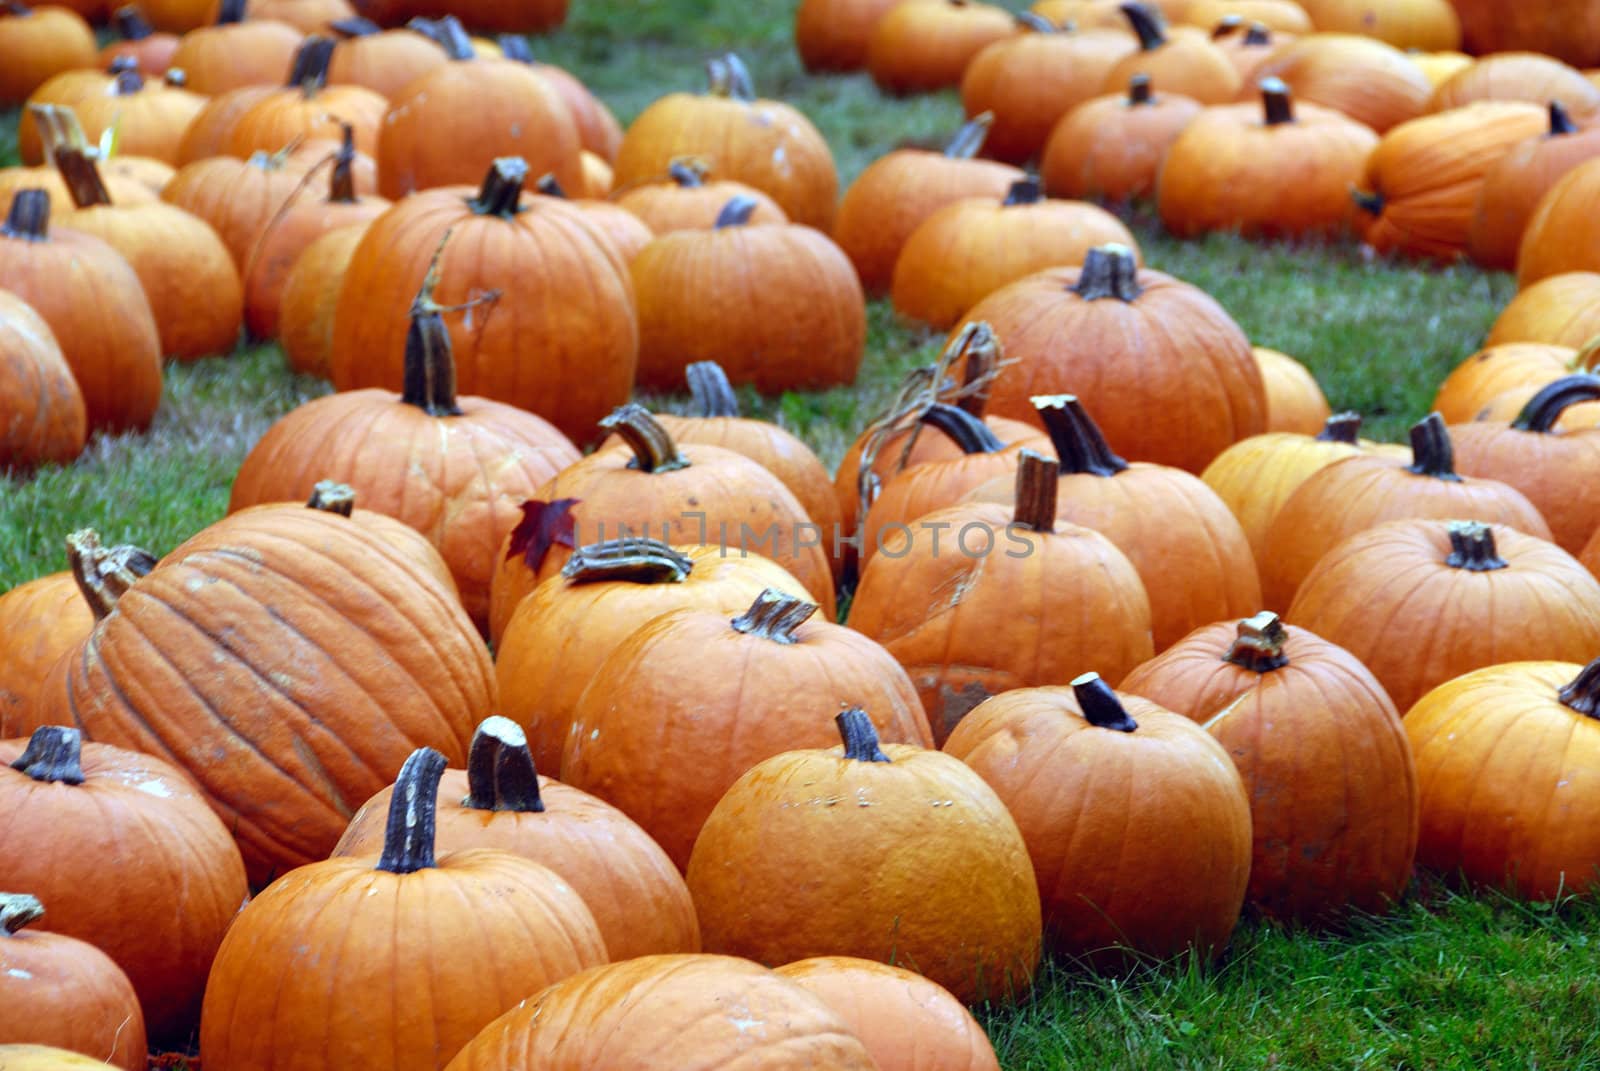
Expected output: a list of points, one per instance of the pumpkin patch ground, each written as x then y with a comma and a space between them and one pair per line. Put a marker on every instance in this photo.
277, 668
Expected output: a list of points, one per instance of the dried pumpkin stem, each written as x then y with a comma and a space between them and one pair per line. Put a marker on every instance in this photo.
1226, 26
1258, 646
1546, 407
430, 367
16, 7
514, 47
448, 34
122, 63
860, 736
500, 771
1582, 694
1100, 705
774, 616
309, 71
127, 83
638, 561
230, 11
1109, 271
502, 188
342, 183
712, 393
1034, 22
1139, 91
1079, 444
1276, 102
18, 910
105, 573
1258, 34
82, 178
1341, 428
29, 218
331, 496
1432, 453
130, 23
968, 141
550, 187
1560, 122
737, 212
981, 347
729, 77
1472, 547
1368, 201
964, 429
1146, 24
54, 754
413, 814
653, 449
1024, 191
355, 26
687, 173
1038, 478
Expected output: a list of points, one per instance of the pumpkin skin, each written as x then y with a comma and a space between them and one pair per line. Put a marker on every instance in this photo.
238, 198
1524, 76
684, 200
1162, 796
61, 991
1497, 368
637, 896
928, 46
1514, 186
1284, 17
659, 1013
1323, 756
44, 415
1373, 83
898, 191
1505, 760
40, 619
1567, 31
511, 924
689, 702
384, 61
94, 305
144, 835
549, 266
1111, 146
368, 655
1560, 310
1295, 402
832, 35
1482, 595
1429, 25
1552, 244
945, 891
233, 52
1167, 369
310, 297
1247, 48
150, 117
1184, 63
39, 44
208, 131
46, 1058
307, 107
906, 1022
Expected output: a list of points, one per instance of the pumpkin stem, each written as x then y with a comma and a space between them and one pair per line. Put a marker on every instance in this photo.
502, 188
127, 83
448, 34
860, 736
130, 23
981, 347
1227, 25
1583, 693
105, 573
342, 184
967, 141
653, 449
1034, 22
331, 496
687, 172
430, 367
355, 26
1259, 645
175, 78
1560, 121
730, 78
1038, 478
1100, 705
1024, 191
1276, 102
18, 910
1546, 407
1079, 443
54, 754
1259, 33
1371, 203
1472, 547
82, 177
550, 186
118, 65
1146, 23
515, 47
230, 12
29, 218
774, 616
309, 71
638, 561
737, 212
1139, 91
1432, 452
500, 771
413, 814
542, 525
16, 7
712, 393
1109, 271
964, 429
1341, 428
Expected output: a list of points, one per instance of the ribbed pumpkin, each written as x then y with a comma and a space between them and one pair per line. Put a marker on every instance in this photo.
1454, 596
377, 928
306, 107
1283, 16
544, 265
763, 143
916, 48
635, 893
454, 468
58, 990
1091, 775
1495, 369
1373, 83
832, 35
599, 133
946, 891
40, 43
40, 620
1568, 31
314, 657
383, 61
1295, 401
1184, 63
966, 251
1010, 600
45, 420
238, 198
1324, 759
95, 306
140, 41
149, 116
1561, 310
1439, 67
142, 836
1111, 146
627, 233
1561, 229
1362, 492
1277, 169
1247, 47
684, 200
896, 192
1514, 186
1525, 76
309, 298
234, 52
1167, 369
1430, 25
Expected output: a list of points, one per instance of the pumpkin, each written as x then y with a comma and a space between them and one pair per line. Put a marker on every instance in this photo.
64, 90
635, 893
762, 143
1497, 368
58, 990
1091, 14
45, 420
522, 16
375, 927
1504, 761
419, 555
451, 122
1560, 310
209, 130
317, 656
1514, 186
1430, 25
513, 263
47, 1058
1480, 595
149, 116
1423, 179
40, 619
1111, 147
1246, 47
1187, 63
898, 191
686, 201
1324, 760
598, 130
976, 619
142, 835
946, 891
776, 304
916, 48
598, 180
1440, 67
832, 35
966, 251
1277, 170
1524, 76
95, 306
1506, 406
307, 107
1028, 81
1287, 17
309, 297
1567, 31
384, 61
1373, 83
1361, 492
1553, 242
1590, 556
661, 1013
626, 232
238, 198
39, 44
307, 16
1295, 402
140, 41
1185, 383
1091, 775
233, 52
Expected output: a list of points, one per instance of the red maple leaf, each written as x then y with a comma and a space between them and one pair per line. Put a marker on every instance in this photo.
542, 524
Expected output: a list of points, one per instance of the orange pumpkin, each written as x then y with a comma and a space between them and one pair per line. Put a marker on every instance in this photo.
1430, 25
598, 130
832, 35
1184, 63
238, 198
1247, 47
40, 619
1554, 241
40, 43
1561, 310
309, 297
1295, 401
306, 107
232, 52
1568, 31
1525, 76
1111, 147
139, 40
916, 48
1373, 83
1514, 186
1495, 369
45, 421
384, 61
149, 116
684, 200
